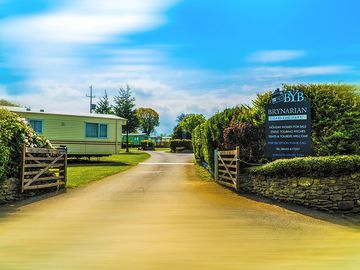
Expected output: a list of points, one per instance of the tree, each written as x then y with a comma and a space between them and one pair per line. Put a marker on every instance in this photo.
191, 121
180, 117
103, 105
125, 107
4, 102
187, 124
148, 119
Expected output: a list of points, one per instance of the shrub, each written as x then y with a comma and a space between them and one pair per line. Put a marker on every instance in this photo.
180, 143
248, 137
310, 166
184, 129
147, 145
335, 117
4, 158
14, 133
335, 125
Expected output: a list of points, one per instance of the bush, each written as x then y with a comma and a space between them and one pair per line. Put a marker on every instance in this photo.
180, 143
248, 137
147, 145
335, 125
310, 167
335, 110
14, 133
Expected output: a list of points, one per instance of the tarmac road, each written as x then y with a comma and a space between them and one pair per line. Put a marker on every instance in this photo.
161, 216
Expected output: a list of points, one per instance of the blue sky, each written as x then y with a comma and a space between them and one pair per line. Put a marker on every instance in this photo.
178, 56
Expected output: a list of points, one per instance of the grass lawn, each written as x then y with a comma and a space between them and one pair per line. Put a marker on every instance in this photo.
84, 171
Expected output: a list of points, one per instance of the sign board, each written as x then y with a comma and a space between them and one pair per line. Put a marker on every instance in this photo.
288, 125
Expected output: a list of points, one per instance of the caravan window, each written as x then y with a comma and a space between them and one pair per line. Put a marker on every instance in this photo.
37, 125
102, 131
94, 130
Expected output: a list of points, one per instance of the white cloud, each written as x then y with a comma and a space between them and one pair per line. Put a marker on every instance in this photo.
276, 56
55, 43
285, 73
86, 21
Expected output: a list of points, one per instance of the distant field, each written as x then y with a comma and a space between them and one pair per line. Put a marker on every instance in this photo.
84, 171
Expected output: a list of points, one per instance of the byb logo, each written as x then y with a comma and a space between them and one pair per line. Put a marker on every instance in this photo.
287, 96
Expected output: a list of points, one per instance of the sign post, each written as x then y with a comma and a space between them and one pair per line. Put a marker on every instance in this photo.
288, 125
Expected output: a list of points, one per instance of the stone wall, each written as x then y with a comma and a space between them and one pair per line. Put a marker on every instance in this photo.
10, 191
334, 194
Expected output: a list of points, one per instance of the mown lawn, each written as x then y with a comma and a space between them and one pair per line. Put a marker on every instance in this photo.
81, 172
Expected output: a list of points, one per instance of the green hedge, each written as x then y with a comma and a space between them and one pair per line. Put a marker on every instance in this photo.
335, 125
14, 132
180, 143
147, 145
310, 167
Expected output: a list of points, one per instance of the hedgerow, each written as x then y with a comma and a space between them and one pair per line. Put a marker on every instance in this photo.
310, 166
335, 125
14, 133
186, 143
147, 145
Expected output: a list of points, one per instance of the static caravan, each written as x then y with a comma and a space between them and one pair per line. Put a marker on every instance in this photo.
82, 134
135, 139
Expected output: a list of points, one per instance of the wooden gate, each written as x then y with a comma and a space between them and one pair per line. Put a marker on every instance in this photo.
43, 168
227, 167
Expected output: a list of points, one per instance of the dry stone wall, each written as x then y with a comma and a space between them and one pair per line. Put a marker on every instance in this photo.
333, 194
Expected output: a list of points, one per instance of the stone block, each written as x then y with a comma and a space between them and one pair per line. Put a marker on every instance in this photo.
346, 205
336, 197
305, 182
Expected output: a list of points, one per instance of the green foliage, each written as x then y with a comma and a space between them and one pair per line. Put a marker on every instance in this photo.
180, 143
14, 133
4, 102
104, 106
250, 139
186, 125
125, 107
180, 117
148, 120
335, 117
147, 145
209, 136
191, 121
310, 167
180, 133
335, 125
4, 158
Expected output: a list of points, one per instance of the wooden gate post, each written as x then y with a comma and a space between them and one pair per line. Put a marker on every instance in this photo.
237, 168
216, 165
23, 167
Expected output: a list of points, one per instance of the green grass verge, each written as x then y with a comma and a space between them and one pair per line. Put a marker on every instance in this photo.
203, 173
84, 171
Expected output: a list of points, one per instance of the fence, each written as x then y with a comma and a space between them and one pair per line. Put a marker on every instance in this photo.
43, 168
227, 167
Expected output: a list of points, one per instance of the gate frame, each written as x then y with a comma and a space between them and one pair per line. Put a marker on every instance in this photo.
53, 156
218, 155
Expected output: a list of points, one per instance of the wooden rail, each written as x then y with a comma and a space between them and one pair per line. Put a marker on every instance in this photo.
227, 167
43, 168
